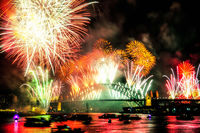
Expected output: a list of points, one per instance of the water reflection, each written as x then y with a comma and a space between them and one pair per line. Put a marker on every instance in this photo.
16, 126
145, 125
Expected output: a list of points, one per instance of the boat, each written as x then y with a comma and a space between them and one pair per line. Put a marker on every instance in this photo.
107, 116
109, 120
58, 118
80, 117
65, 129
123, 117
129, 117
136, 117
127, 121
86, 119
37, 122
185, 117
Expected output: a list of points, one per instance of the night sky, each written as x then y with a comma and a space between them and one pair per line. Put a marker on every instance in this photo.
169, 29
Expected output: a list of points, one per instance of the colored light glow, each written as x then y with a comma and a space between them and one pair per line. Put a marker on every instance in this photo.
16, 117
9, 110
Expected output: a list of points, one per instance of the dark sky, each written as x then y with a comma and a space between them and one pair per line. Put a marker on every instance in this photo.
168, 28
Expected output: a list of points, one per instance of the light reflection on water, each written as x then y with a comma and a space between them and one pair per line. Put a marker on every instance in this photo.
145, 125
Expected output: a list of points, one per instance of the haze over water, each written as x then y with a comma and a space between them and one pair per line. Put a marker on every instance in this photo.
145, 125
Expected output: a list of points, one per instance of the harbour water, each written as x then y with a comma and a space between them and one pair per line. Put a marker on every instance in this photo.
157, 124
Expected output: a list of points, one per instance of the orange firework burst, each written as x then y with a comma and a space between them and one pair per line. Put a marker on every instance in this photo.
103, 45
186, 69
135, 52
139, 55
44, 32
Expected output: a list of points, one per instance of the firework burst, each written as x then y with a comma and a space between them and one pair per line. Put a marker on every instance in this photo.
106, 70
42, 87
136, 85
98, 70
83, 89
44, 32
103, 45
172, 83
186, 69
130, 73
137, 52
185, 83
